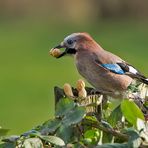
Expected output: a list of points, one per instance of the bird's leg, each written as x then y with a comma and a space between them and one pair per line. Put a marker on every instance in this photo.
95, 91
99, 92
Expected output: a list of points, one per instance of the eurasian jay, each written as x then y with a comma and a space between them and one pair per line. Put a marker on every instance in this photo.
108, 73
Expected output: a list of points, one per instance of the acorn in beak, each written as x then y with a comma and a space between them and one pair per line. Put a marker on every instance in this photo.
56, 52
62, 53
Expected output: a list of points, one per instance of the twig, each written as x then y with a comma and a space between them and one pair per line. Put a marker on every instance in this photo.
99, 125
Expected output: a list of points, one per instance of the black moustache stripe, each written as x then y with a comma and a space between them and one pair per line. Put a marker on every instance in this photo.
71, 51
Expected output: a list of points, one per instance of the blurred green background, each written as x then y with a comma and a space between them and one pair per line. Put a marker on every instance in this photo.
28, 29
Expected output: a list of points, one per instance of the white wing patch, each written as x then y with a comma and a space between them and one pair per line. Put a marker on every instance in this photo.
132, 70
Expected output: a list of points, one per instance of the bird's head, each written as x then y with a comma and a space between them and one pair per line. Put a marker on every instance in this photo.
74, 43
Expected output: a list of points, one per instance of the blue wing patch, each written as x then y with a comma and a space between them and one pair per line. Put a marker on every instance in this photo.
114, 68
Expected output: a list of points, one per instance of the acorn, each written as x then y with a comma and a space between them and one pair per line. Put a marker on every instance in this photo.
68, 90
55, 52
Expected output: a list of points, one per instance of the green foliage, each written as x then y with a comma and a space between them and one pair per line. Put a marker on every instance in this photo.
91, 136
74, 127
65, 132
131, 111
50, 126
64, 106
134, 137
74, 116
33, 143
115, 116
53, 140
114, 145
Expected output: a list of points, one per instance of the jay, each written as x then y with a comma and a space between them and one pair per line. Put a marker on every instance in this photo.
107, 72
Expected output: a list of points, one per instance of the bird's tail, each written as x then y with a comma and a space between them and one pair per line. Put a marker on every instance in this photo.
142, 78
134, 73
145, 81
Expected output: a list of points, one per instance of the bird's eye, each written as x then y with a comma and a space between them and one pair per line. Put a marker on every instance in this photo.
70, 42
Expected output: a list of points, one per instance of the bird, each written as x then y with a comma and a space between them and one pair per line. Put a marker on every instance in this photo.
105, 71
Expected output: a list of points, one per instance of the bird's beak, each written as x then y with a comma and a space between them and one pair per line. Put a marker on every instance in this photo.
59, 46
64, 52
67, 50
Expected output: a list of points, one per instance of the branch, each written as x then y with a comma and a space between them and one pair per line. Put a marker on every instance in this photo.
99, 125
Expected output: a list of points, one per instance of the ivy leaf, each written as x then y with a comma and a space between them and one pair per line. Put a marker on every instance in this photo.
50, 126
134, 139
91, 136
114, 145
91, 133
64, 106
31, 133
74, 116
115, 116
54, 140
13, 138
33, 143
7, 145
131, 111
66, 133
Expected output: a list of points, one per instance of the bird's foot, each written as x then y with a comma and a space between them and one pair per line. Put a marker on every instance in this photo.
95, 92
